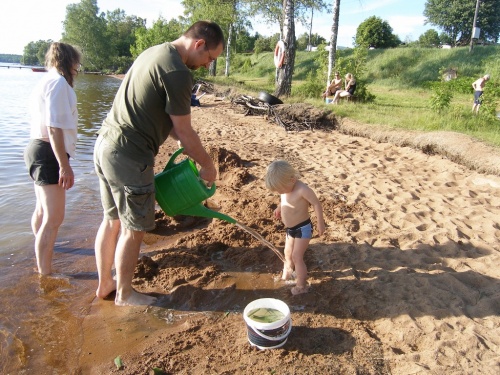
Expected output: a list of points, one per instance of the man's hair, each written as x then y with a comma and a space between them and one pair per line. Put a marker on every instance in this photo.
208, 31
279, 175
62, 56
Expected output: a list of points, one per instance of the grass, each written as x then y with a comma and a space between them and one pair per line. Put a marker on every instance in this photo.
401, 80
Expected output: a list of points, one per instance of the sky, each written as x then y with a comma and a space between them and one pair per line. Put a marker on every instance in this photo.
25, 21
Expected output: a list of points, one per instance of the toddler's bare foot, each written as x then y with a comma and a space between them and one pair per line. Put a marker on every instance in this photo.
135, 299
299, 290
288, 274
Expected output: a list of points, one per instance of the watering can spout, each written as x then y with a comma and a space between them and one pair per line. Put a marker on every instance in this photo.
202, 211
180, 190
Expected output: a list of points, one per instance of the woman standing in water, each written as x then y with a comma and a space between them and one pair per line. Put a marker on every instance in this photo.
54, 122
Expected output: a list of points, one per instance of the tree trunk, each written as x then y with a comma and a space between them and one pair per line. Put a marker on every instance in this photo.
212, 69
333, 40
284, 76
228, 49
309, 45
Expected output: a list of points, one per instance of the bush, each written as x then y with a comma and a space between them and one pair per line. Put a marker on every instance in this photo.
311, 89
441, 96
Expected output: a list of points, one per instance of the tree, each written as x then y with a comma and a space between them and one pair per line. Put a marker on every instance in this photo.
284, 13
120, 31
160, 32
456, 17
309, 39
429, 39
285, 72
373, 32
34, 52
226, 13
333, 41
85, 28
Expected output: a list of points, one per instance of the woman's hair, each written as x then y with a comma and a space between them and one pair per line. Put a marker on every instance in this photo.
349, 76
279, 175
63, 57
210, 32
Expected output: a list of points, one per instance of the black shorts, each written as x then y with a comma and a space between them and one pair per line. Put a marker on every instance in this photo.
41, 162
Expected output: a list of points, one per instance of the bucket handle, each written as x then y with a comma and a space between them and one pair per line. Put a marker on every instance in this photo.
274, 338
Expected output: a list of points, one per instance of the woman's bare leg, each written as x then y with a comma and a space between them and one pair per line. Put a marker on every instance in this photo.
46, 220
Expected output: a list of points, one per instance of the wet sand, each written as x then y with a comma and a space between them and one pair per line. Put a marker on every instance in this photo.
405, 280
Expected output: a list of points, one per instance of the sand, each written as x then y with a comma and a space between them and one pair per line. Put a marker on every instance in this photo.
404, 281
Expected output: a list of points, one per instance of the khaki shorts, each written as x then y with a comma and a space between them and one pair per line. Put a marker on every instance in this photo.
127, 187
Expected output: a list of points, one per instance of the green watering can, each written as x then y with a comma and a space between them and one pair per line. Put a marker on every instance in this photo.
181, 191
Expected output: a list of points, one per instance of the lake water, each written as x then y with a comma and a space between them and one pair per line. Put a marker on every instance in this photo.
39, 316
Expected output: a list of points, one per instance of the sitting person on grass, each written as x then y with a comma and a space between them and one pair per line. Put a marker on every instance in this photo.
335, 85
350, 87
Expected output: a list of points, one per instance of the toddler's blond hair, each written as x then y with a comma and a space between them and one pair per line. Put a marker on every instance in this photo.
280, 174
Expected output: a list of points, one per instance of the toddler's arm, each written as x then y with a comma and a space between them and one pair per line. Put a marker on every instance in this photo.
311, 197
277, 212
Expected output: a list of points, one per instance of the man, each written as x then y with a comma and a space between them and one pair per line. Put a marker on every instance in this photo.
478, 86
152, 103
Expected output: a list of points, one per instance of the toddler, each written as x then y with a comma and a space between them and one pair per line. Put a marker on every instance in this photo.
296, 197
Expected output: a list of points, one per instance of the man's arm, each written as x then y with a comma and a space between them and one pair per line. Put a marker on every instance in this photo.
193, 147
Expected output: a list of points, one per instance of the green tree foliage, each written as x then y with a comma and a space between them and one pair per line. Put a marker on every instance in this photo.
162, 31
373, 32
85, 28
303, 41
10, 58
445, 39
429, 39
456, 17
120, 31
34, 52
244, 42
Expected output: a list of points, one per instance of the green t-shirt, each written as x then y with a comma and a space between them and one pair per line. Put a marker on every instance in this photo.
157, 85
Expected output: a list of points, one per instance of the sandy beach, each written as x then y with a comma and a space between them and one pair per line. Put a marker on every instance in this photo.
404, 281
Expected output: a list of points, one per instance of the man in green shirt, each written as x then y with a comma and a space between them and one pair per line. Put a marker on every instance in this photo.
153, 102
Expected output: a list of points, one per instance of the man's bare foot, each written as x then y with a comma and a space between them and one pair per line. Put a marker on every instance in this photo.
104, 289
299, 290
135, 299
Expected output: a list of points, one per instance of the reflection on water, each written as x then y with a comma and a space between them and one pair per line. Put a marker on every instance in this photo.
40, 318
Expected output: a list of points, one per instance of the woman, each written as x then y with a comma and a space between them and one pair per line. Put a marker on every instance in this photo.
335, 85
52, 141
350, 87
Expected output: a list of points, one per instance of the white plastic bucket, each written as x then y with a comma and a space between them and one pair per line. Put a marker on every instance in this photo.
268, 335
328, 100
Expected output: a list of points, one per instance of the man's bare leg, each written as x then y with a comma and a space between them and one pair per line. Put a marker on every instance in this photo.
105, 247
127, 253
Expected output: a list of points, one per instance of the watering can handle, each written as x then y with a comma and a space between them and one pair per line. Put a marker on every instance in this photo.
173, 157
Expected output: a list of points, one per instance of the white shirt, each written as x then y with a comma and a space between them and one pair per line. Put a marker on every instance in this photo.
53, 103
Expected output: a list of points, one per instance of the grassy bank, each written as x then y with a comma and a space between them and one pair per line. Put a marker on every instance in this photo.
401, 80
